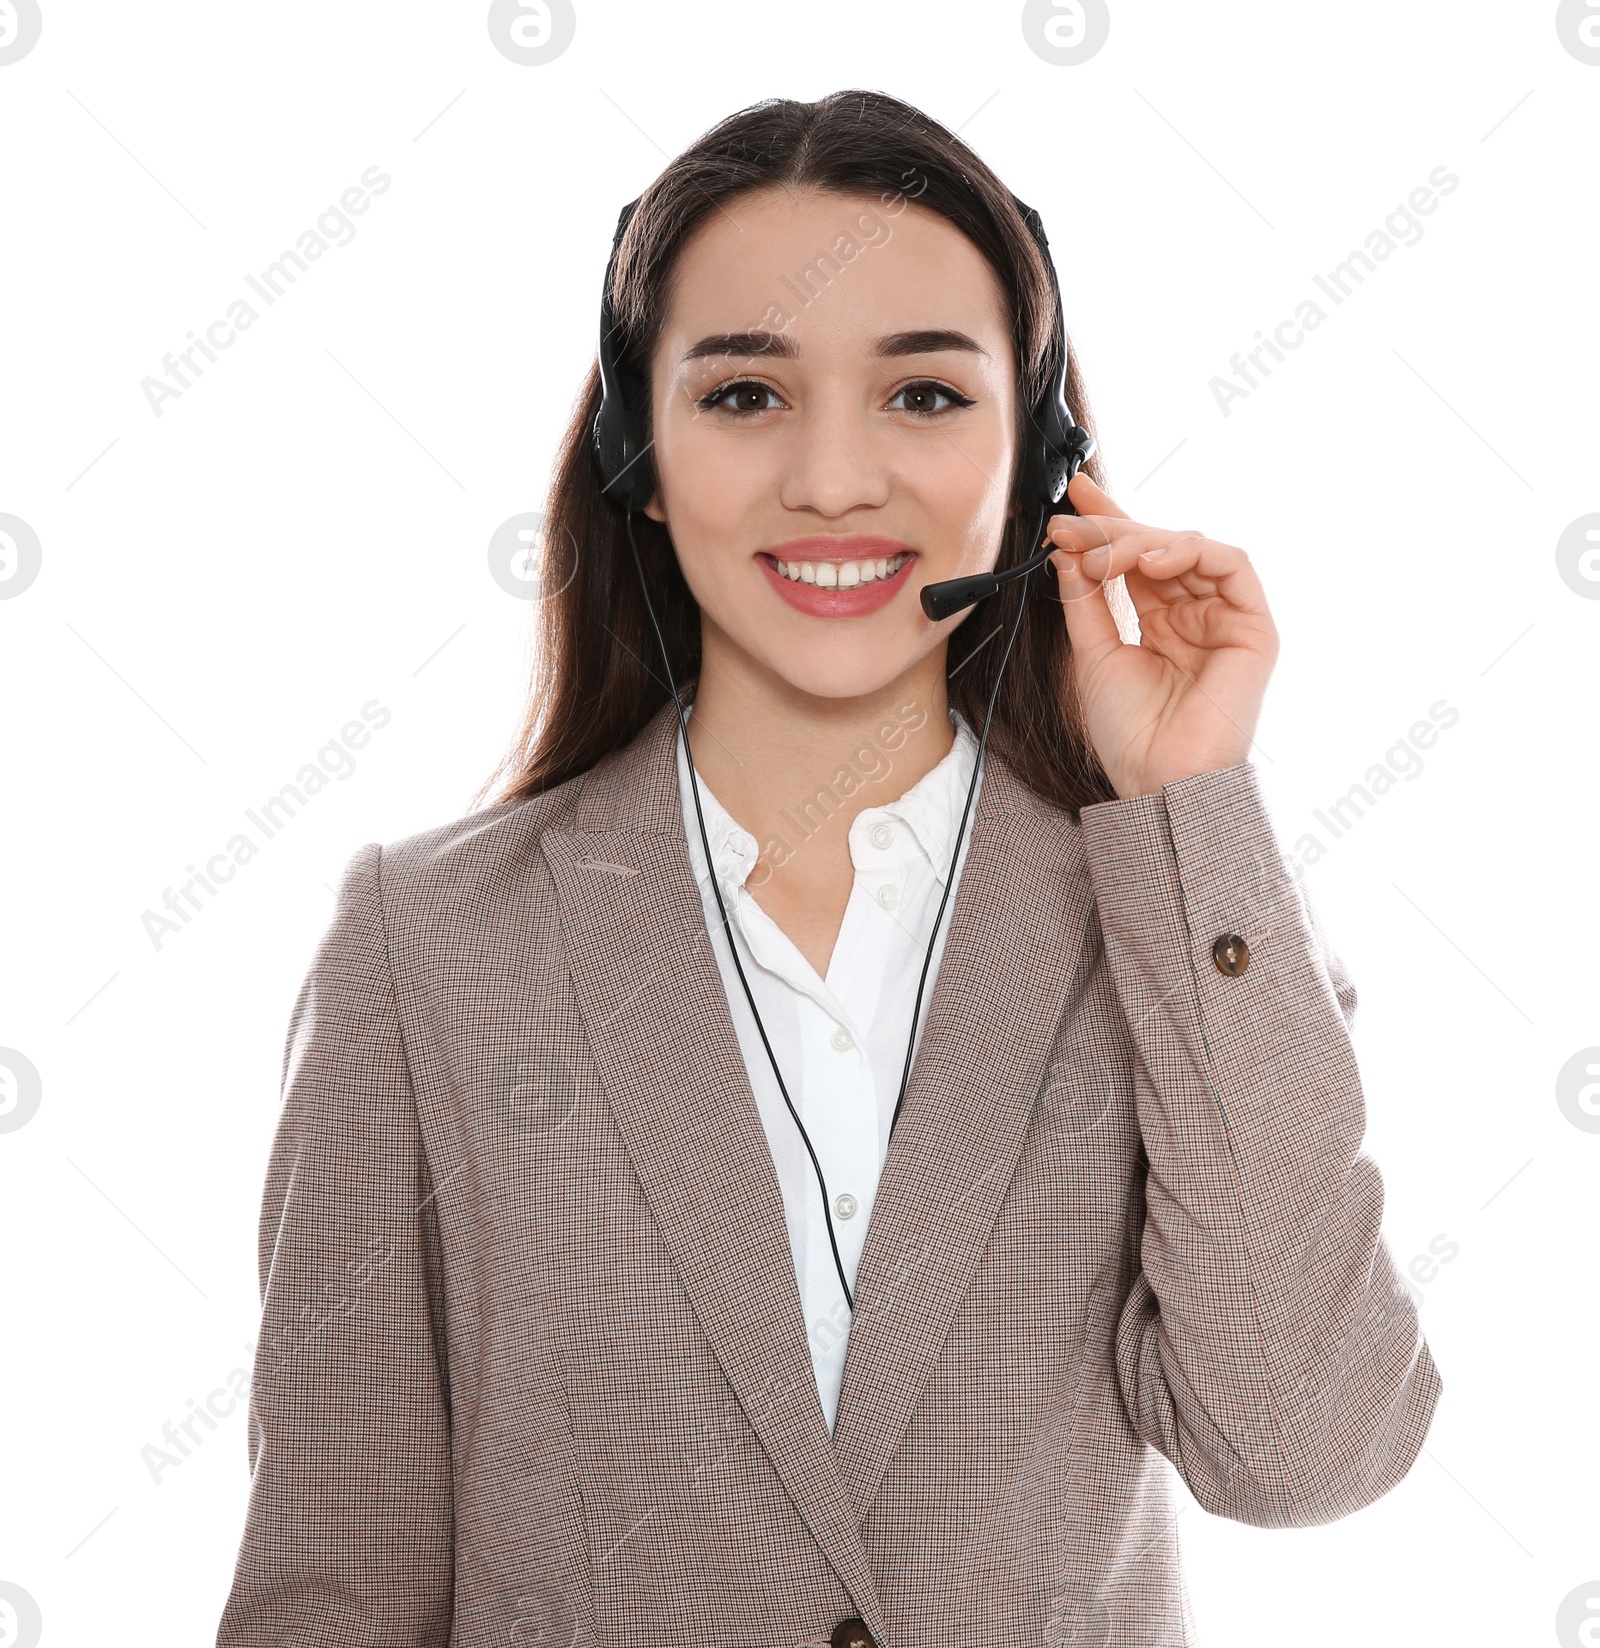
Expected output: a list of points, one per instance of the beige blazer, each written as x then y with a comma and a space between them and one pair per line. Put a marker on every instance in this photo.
532, 1367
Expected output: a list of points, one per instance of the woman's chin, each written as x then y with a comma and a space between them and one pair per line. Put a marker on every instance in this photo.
823, 659
842, 672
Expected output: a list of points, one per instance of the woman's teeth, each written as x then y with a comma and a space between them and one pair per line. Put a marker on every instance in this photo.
840, 574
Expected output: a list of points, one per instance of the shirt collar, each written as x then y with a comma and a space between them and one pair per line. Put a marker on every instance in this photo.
930, 810
733, 849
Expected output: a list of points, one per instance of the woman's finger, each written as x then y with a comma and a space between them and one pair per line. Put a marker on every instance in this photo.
1091, 624
1089, 498
1201, 565
1088, 531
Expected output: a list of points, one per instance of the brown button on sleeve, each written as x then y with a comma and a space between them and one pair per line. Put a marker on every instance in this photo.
852, 1633
1231, 954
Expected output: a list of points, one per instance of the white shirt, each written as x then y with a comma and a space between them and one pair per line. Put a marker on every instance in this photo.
841, 1041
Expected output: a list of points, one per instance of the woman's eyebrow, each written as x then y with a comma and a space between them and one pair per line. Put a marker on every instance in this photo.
925, 342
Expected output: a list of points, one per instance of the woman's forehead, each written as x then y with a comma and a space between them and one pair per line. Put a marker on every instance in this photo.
830, 271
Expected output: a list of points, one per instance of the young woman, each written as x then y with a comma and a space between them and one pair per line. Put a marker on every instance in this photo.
736, 1190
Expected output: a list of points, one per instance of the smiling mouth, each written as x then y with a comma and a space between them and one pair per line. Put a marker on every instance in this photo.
841, 574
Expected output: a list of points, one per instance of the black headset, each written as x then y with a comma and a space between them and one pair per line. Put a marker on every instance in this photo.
1057, 450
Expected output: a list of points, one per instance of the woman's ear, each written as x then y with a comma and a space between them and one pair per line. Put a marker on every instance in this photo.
654, 510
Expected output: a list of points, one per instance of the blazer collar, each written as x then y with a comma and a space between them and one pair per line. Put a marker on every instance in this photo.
653, 1003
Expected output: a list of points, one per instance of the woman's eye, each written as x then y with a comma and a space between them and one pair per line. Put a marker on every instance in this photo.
922, 396
747, 398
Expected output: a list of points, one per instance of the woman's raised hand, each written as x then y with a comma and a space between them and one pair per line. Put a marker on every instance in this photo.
1186, 696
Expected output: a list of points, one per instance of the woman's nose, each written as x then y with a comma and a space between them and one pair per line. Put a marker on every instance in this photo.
835, 460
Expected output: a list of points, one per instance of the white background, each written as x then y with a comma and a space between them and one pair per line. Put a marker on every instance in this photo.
305, 529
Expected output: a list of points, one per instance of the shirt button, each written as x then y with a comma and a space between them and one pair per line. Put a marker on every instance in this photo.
845, 1205
840, 1040
1230, 953
889, 896
881, 836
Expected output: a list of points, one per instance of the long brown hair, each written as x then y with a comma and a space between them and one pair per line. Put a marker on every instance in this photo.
596, 672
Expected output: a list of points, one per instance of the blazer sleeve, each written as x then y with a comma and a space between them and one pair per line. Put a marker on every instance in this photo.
348, 1538
1267, 1346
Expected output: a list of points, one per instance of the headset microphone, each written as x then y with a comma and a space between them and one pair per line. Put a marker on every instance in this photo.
953, 595
1056, 450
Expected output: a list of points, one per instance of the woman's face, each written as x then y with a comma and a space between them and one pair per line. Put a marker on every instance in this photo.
834, 410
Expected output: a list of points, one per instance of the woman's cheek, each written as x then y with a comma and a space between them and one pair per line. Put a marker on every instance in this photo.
718, 494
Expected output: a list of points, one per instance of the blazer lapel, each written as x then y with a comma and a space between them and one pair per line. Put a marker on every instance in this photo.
656, 1013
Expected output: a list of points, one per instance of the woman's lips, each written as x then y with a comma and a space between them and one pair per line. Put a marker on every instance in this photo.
819, 601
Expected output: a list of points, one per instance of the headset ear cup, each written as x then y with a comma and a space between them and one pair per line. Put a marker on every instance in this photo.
1061, 447
641, 477
627, 475
1078, 451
